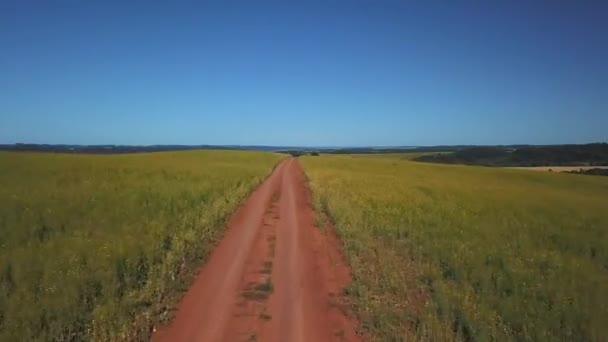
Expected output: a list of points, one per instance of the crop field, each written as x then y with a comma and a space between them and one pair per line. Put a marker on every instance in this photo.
448, 252
95, 247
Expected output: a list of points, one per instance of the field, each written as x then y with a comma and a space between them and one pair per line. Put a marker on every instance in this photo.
101, 247
97, 247
448, 252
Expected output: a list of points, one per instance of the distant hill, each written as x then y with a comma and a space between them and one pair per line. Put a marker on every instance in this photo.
555, 155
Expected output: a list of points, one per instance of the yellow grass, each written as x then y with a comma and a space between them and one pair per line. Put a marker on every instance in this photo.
97, 247
450, 252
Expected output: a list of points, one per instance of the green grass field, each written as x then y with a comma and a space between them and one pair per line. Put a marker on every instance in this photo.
442, 252
97, 247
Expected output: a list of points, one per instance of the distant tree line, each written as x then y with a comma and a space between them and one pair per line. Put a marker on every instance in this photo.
593, 172
117, 149
102, 149
381, 150
297, 153
556, 155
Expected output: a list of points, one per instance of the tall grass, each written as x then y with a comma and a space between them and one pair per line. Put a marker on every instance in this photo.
444, 252
97, 247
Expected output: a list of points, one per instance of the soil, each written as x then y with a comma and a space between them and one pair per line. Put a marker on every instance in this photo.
273, 277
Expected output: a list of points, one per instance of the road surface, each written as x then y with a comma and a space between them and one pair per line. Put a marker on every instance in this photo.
273, 277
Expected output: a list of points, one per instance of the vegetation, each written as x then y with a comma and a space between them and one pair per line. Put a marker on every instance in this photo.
115, 149
298, 153
385, 150
592, 172
558, 155
97, 247
449, 252
103, 149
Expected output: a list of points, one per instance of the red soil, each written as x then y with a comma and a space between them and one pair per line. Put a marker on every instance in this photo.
273, 277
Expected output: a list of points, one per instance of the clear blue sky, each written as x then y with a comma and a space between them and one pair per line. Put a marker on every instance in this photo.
334, 74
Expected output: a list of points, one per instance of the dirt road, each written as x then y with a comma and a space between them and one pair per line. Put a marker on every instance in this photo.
273, 277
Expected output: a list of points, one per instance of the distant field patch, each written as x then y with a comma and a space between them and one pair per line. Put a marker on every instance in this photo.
450, 252
96, 247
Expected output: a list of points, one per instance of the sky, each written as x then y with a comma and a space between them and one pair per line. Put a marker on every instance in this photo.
295, 73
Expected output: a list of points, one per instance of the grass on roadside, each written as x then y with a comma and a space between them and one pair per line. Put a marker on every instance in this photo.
98, 247
442, 252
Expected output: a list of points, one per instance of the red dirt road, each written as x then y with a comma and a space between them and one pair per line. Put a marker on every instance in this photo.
273, 277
